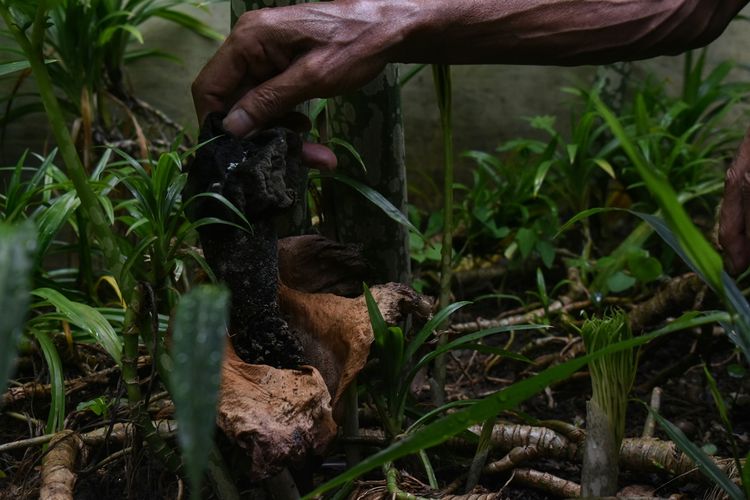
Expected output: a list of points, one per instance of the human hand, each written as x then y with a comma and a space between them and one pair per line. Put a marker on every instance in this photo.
277, 58
734, 217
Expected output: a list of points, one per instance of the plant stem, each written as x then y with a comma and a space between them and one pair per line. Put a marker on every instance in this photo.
428, 469
130, 378
442, 78
351, 424
480, 457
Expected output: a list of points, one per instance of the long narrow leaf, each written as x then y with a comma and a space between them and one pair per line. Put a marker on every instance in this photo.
378, 200
86, 318
200, 325
56, 418
428, 328
706, 465
17, 247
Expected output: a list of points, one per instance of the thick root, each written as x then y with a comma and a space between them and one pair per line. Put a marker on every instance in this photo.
59, 466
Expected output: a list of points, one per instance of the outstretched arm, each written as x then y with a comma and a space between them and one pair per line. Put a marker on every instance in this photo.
277, 58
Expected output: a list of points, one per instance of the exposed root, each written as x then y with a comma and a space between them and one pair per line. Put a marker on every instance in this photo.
563, 305
546, 482
35, 389
513, 459
117, 434
676, 296
59, 466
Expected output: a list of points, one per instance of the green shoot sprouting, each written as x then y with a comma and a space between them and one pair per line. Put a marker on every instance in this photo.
612, 375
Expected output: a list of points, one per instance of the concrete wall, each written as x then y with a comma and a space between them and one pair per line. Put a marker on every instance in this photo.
489, 101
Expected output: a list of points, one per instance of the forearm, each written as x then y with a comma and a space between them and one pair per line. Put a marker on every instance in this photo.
560, 32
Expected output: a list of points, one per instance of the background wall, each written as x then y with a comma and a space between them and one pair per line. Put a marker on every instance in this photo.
489, 101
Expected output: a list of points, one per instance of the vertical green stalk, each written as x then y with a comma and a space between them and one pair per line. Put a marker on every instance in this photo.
441, 75
140, 416
480, 456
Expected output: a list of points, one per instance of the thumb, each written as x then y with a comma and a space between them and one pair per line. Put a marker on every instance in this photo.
269, 100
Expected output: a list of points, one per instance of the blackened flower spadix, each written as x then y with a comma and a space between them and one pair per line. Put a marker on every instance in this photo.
258, 175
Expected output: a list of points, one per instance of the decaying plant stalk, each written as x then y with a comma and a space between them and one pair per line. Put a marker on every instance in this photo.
257, 176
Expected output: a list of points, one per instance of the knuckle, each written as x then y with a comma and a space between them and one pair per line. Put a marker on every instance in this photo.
267, 100
732, 176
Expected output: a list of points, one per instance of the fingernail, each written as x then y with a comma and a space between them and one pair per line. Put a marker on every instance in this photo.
238, 123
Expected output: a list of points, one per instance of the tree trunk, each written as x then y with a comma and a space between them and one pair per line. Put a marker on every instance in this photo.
371, 121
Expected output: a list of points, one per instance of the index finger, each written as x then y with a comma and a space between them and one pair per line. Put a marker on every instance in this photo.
219, 79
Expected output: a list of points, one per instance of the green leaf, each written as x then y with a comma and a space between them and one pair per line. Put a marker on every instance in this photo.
721, 407
619, 282
98, 406
351, 149
379, 326
509, 398
705, 464
606, 166
424, 333
200, 325
546, 251
377, 199
17, 248
56, 417
526, 239
87, 319
52, 219
8, 68
541, 174
644, 267
191, 23
12, 67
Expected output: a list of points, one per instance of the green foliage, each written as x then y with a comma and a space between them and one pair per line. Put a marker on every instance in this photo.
157, 222
509, 398
17, 247
397, 361
98, 406
91, 41
503, 209
85, 317
685, 238
375, 198
200, 325
56, 417
704, 462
